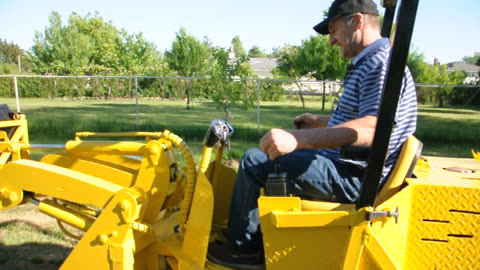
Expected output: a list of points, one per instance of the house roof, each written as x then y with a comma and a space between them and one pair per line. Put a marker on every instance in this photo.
462, 66
263, 66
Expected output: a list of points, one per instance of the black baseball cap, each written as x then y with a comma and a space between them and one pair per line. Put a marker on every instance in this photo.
344, 7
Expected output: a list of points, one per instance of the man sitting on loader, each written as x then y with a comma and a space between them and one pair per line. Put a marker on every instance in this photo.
310, 153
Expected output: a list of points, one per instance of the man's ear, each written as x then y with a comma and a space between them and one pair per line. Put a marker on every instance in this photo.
360, 20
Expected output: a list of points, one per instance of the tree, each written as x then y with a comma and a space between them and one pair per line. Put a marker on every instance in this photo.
189, 57
90, 46
435, 74
276, 52
61, 50
137, 56
256, 52
289, 62
314, 58
103, 39
12, 58
289, 65
474, 60
238, 47
446, 82
419, 69
321, 60
226, 85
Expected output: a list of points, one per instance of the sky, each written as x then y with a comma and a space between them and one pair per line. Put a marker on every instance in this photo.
444, 29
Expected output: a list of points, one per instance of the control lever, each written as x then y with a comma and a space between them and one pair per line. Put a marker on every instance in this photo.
219, 131
277, 182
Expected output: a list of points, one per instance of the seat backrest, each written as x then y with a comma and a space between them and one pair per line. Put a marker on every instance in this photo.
411, 150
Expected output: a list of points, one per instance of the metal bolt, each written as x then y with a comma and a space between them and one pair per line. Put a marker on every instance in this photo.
103, 239
124, 205
10, 196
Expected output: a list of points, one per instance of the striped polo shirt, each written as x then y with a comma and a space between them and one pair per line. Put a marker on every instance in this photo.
363, 87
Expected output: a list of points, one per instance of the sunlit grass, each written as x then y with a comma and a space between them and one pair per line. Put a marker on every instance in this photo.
458, 125
447, 131
31, 240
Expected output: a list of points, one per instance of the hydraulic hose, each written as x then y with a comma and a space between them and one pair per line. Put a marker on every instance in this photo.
191, 176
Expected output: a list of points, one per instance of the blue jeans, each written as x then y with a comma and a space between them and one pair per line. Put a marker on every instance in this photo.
309, 175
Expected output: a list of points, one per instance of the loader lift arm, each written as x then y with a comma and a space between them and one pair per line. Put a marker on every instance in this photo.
117, 218
157, 211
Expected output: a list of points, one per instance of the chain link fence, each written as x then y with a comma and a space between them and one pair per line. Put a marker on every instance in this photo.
58, 106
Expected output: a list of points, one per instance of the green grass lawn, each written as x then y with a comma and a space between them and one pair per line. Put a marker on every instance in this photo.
30, 240
449, 131
452, 131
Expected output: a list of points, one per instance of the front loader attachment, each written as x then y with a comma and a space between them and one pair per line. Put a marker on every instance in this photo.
137, 208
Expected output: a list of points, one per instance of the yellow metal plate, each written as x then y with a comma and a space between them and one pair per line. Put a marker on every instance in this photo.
437, 173
445, 216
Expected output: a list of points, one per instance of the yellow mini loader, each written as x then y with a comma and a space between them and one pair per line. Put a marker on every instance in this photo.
139, 201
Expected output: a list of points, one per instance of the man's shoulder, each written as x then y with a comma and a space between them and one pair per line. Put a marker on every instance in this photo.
376, 52
377, 57
374, 63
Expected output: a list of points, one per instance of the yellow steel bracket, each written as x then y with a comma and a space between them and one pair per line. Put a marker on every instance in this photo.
369, 241
10, 197
197, 232
17, 146
378, 251
190, 251
109, 243
476, 155
185, 248
152, 153
222, 178
195, 243
13, 148
154, 179
348, 233
4, 136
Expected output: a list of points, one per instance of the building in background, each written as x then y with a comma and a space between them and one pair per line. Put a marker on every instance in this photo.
263, 66
471, 70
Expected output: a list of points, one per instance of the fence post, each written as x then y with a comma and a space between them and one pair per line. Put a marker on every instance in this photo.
323, 95
17, 98
137, 109
257, 81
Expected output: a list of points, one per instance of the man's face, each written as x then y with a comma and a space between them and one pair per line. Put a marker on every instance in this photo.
344, 36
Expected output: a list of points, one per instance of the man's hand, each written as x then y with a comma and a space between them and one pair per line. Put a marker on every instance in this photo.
278, 142
308, 120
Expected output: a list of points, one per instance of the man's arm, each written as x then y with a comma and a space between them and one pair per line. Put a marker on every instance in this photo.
308, 120
357, 132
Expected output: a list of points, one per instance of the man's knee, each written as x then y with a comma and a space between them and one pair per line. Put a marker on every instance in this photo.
253, 157
253, 166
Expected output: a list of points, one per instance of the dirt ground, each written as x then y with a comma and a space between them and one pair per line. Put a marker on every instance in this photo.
31, 240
